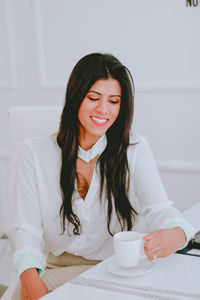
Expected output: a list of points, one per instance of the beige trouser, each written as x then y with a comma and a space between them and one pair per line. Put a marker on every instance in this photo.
61, 269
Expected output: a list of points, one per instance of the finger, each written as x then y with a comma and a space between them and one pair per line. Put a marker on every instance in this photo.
147, 237
151, 235
153, 243
151, 254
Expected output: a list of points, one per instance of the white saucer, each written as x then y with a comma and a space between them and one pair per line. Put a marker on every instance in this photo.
144, 267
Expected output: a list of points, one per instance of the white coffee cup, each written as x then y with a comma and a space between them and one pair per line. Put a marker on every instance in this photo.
129, 248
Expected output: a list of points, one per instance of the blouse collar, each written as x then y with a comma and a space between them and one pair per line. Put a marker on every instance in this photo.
95, 150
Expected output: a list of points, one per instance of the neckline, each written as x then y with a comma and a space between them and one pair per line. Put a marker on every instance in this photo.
86, 200
96, 149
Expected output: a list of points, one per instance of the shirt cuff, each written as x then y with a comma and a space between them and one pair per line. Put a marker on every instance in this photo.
26, 259
183, 224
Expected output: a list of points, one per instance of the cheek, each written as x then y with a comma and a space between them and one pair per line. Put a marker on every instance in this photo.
86, 107
82, 111
116, 112
81, 116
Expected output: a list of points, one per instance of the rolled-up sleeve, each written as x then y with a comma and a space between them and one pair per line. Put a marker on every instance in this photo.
27, 224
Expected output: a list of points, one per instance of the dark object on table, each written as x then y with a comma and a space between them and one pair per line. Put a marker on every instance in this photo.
193, 244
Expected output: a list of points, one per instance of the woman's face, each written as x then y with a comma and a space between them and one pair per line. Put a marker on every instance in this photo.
99, 109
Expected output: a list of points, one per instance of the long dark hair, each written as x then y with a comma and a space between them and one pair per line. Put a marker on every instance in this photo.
113, 161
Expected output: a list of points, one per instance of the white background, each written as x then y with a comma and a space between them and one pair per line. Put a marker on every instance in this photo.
158, 40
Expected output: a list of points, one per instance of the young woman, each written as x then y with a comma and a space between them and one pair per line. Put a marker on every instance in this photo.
94, 178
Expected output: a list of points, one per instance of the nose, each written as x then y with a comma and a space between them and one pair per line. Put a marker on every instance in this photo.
103, 106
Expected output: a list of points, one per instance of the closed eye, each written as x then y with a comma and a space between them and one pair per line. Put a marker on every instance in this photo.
93, 99
113, 101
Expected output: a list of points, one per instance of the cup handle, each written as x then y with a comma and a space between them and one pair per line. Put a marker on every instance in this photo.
143, 255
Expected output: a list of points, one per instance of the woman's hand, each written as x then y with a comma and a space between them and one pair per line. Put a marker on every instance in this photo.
32, 285
164, 242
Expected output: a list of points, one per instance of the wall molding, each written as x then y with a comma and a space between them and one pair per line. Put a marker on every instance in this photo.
141, 87
168, 86
179, 166
40, 47
9, 84
44, 83
163, 165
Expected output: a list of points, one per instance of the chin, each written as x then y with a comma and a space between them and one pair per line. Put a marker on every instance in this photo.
98, 133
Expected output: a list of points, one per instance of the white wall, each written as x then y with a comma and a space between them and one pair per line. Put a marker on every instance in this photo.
41, 40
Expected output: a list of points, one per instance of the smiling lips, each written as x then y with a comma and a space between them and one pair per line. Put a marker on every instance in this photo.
99, 121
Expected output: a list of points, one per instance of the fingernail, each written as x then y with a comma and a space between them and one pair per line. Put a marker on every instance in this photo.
146, 238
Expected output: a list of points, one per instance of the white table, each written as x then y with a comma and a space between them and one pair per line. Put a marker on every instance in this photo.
174, 277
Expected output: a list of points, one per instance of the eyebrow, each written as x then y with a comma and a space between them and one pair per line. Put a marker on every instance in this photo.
92, 91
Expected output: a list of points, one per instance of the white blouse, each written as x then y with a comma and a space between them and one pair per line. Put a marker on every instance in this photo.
37, 226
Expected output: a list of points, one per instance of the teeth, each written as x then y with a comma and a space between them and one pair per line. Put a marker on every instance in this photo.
99, 120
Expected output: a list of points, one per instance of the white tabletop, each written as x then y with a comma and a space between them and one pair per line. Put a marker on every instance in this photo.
174, 277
